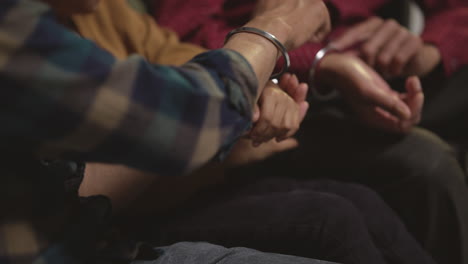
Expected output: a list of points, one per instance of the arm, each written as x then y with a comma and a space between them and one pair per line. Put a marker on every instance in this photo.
371, 98
132, 191
64, 97
207, 22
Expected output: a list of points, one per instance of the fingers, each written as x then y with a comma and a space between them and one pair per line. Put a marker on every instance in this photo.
290, 123
377, 117
379, 93
301, 93
414, 98
384, 44
390, 49
281, 110
281, 121
358, 33
284, 81
279, 118
267, 126
385, 111
373, 46
387, 99
290, 84
406, 52
380, 118
384, 120
298, 92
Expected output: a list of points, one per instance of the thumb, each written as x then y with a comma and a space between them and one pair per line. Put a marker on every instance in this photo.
415, 96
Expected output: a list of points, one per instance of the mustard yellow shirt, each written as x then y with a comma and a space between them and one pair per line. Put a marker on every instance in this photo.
123, 30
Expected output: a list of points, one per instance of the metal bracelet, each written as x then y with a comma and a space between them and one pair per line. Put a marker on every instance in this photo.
314, 92
272, 39
318, 57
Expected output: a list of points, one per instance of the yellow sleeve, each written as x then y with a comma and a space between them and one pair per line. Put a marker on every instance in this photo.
123, 31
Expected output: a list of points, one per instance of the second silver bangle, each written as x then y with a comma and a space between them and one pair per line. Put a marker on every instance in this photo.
318, 57
312, 72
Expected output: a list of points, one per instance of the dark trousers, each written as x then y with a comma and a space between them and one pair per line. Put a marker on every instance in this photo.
419, 175
446, 110
322, 219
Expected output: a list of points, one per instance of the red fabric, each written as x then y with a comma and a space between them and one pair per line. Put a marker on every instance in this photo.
206, 23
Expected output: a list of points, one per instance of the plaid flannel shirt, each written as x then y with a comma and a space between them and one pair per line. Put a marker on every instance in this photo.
63, 97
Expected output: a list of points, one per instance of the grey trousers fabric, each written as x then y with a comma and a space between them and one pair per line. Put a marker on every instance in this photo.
205, 253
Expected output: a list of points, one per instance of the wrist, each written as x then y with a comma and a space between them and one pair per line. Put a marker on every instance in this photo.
322, 85
251, 41
327, 70
271, 39
276, 27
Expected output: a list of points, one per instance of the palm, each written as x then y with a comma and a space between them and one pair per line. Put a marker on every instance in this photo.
372, 99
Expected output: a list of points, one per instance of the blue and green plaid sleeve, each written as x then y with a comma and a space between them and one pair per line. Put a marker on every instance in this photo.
62, 96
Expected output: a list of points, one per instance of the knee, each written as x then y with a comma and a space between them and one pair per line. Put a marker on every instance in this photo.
424, 158
363, 198
383, 224
342, 221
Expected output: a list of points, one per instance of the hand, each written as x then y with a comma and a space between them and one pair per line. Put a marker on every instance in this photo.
293, 22
374, 102
244, 152
424, 62
280, 110
390, 48
379, 118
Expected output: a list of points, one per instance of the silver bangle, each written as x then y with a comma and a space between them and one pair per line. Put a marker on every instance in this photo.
318, 57
272, 39
313, 90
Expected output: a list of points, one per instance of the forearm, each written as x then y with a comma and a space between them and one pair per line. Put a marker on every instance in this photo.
121, 184
259, 52
63, 97
137, 192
